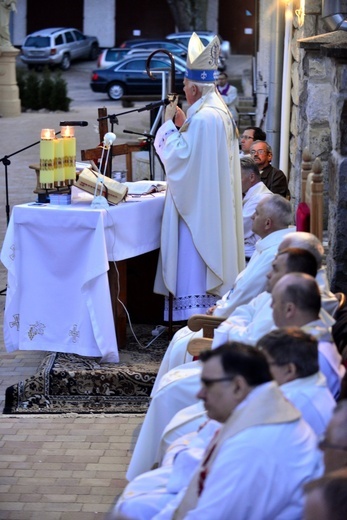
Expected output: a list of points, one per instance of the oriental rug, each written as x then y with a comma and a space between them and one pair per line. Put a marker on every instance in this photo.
68, 383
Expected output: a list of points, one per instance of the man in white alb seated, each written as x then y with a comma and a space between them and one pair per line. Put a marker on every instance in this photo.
177, 389
292, 356
250, 321
271, 219
293, 361
264, 449
296, 301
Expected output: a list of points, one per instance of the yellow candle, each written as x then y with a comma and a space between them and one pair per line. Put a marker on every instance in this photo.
47, 156
59, 175
69, 153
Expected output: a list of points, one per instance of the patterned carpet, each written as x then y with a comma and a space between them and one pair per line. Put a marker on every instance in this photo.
66, 383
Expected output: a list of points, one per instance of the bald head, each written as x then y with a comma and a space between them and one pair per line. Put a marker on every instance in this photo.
306, 241
296, 300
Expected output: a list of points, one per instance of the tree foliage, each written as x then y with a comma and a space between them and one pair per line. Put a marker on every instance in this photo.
189, 15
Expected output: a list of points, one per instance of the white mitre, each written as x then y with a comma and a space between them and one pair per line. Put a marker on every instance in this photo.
202, 62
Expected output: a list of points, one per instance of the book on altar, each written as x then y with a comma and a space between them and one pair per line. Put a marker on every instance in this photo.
113, 191
145, 187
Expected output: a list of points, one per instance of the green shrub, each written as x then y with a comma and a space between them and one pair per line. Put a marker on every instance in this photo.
21, 82
36, 91
32, 85
60, 99
46, 90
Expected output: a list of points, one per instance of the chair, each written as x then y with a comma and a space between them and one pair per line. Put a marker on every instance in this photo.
309, 215
94, 154
207, 324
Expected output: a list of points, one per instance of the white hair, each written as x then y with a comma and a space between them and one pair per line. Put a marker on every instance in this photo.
203, 88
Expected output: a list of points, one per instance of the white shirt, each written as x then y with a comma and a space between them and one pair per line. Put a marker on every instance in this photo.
313, 398
252, 280
269, 463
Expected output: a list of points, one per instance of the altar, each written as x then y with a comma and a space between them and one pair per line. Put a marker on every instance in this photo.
57, 257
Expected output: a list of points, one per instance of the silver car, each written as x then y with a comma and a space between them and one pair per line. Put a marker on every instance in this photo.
58, 46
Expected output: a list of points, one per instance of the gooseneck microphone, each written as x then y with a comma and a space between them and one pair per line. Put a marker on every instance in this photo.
73, 123
156, 104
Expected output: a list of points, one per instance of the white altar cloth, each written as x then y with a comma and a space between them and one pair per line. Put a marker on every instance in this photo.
58, 296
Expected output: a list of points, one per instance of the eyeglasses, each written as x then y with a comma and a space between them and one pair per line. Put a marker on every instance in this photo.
258, 152
325, 445
210, 382
246, 137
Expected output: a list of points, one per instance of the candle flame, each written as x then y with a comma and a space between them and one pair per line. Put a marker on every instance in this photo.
67, 131
47, 133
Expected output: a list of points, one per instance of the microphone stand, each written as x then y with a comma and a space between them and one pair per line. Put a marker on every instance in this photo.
114, 120
149, 140
5, 160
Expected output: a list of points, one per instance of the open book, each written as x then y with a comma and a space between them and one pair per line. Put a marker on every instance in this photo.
144, 187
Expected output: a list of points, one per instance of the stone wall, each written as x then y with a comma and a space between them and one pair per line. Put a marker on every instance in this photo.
319, 121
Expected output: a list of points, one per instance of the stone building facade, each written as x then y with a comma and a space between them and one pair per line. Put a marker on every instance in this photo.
319, 121
317, 104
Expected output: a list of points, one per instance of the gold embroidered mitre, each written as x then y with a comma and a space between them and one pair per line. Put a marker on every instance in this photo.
202, 62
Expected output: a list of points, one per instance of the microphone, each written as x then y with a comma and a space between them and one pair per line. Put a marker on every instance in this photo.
73, 123
156, 104
138, 133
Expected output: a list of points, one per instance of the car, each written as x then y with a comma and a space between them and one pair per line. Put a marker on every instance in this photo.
58, 46
150, 44
205, 36
109, 57
129, 77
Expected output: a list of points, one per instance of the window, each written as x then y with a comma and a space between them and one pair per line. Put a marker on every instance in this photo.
68, 37
59, 40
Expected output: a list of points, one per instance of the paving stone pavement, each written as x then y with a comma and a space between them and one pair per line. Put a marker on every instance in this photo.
56, 467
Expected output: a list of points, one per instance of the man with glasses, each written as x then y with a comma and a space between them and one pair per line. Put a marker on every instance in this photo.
249, 135
256, 463
274, 179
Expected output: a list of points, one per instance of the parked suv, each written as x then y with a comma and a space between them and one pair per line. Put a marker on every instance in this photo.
58, 46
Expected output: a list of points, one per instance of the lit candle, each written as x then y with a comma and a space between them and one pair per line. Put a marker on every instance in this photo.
69, 141
59, 175
47, 158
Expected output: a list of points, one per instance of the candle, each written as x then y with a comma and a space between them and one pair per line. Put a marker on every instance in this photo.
69, 153
47, 157
59, 175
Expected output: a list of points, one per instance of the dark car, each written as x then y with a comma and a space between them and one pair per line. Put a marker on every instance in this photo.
58, 46
129, 77
149, 44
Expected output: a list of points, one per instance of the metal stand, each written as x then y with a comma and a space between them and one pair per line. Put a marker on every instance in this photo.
114, 120
6, 162
151, 154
